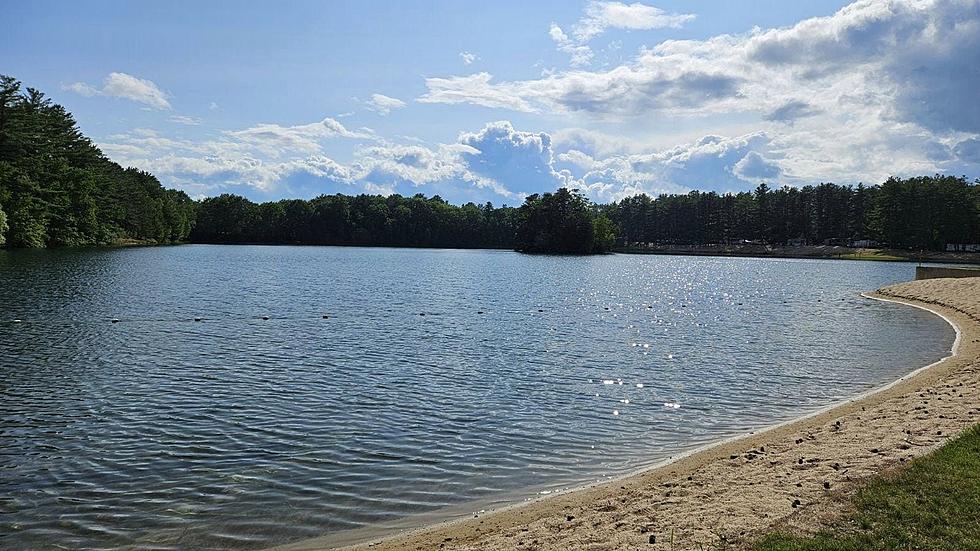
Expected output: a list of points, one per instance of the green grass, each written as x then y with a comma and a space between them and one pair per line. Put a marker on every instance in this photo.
932, 504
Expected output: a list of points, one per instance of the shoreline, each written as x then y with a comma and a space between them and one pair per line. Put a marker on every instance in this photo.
664, 509
822, 252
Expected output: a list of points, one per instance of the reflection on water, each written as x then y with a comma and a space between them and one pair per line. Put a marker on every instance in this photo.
386, 383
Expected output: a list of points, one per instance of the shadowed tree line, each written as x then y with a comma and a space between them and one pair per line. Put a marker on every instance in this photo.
560, 222
925, 212
367, 220
58, 189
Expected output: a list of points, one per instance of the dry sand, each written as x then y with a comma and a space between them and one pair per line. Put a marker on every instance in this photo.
795, 475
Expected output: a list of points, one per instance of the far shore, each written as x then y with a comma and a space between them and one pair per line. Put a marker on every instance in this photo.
829, 252
795, 475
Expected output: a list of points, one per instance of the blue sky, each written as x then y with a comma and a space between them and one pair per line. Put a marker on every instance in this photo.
492, 101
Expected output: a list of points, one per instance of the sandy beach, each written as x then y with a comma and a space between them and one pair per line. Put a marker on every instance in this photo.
794, 475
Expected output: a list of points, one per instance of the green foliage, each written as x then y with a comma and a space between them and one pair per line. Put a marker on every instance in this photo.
933, 504
916, 213
370, 220
58, 189
562, 222
604, 234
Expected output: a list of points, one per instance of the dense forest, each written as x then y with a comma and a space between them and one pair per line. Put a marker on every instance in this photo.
58, 189
368, 220
560, 222
916, 213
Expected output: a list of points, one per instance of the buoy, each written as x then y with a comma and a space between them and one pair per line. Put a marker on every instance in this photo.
114, 320
539, 310
479, 312
197, 319
421, 313
18, 321
326, 317
265, 317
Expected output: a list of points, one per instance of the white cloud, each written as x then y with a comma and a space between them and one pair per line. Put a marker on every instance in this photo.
580, 53
600, 16
82, 89
185, 119
468, 58
892, 54
122, 85
383, 105
275, 140
881, 87
755, 167
475, 89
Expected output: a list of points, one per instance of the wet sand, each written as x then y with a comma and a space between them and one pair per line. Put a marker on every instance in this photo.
794, 475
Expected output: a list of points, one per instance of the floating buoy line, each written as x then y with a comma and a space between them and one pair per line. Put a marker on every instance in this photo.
602, 310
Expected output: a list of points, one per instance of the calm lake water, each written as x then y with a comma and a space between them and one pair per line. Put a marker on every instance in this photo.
524, 375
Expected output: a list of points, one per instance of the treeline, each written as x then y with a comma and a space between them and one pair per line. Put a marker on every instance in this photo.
367, 220
916, 213
560, 222
58, 189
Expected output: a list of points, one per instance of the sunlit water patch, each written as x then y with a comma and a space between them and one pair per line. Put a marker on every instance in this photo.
326, 389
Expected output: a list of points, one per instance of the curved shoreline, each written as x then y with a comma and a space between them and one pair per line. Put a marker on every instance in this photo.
629, 509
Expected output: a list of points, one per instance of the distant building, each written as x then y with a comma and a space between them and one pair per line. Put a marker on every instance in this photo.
864, 243
798, 242
836, 242
963, 247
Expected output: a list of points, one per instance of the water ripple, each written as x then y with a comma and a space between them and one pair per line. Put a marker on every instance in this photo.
347, 407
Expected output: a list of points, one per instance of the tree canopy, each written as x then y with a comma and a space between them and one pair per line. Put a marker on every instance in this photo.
925, 212
370, 220
562, 222
58, 189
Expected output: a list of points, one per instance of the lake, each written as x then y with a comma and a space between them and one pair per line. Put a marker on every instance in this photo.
388, 383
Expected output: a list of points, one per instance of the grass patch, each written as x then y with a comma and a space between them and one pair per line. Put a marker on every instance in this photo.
932, 504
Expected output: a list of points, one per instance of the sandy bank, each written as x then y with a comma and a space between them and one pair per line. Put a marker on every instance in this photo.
793, 474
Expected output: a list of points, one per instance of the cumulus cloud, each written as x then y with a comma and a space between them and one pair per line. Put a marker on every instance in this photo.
512, 157
754, 166
708, 163
467, 57
914, 60
383, 105
923, 52
262, 161
498, 163
125, 86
